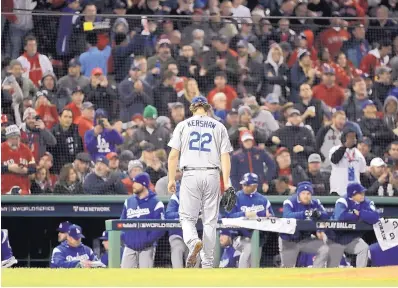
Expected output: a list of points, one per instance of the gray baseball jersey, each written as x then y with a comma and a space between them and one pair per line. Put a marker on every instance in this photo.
201, 140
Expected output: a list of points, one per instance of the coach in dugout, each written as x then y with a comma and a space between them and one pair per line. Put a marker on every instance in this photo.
72, 253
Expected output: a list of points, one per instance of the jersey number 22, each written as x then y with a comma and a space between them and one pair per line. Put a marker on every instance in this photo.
198, 142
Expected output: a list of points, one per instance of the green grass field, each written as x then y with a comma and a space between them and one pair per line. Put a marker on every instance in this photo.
297, 277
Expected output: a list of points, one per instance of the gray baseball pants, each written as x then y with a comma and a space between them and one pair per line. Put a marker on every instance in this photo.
138, 259
244, 246
357, 247
179, 252
290, 250
200, 190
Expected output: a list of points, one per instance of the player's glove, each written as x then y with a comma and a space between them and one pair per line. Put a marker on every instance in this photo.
228, 200
316, 214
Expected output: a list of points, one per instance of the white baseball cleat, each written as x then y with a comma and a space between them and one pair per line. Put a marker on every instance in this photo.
193, 255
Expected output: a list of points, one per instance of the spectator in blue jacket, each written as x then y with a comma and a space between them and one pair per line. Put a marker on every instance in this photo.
103, 138
230, 256
105, 242
357, 46
65, 26
139, 250
72, 253
250, 204
102, 181
302, 206
179, 250
93, 57
353, 207
63, 229
252, 159
301, 72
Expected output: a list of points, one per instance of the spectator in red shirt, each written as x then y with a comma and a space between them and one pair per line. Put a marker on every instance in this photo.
345, 71
328, 91
47, 111
221, 86
376, 57
295, 173
86, 120
76, 105
334, 37
307, 43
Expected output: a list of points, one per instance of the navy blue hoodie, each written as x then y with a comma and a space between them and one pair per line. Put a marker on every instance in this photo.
147, 208
65, 256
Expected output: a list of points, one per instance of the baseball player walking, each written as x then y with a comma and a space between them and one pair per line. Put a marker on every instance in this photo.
7, 258
204, 146
139, 250
354, 207
249, 204
302, 206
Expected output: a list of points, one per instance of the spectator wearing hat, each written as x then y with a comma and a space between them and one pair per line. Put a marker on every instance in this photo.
85, 121
164, 94
375, 128
150, 132
365, 146
68, 182
17, 163
390, 112
46, 110
251, 159
221, 59
48, 87
319, 180
103, 138
334, 37
357, 46
35, 135
100, 92
72, 253
306, 42
93, 57
76, 105
34, 64
114, 161
135, 167
328, 91
328, 137
74, 78
69, 142
142, 242
377, 180
261, 118
102, 181
82, 165
157, 64
275, 74
297, 138
311, 109
376, 57
301, 72
245, 124
272, 104
382, 84
220, 82
134, 94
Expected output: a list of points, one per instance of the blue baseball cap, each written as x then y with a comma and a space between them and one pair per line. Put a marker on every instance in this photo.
249, 179
102, 160
367, 103
75, 231
354, 188
104, 236
143, 179
305, 186
199, 100
64, 227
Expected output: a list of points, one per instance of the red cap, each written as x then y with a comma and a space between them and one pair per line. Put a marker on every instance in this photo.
137, 117
4, 119
281, 150
112, 155
97, 71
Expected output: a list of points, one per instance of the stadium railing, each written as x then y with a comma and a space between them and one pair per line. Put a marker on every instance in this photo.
115, 228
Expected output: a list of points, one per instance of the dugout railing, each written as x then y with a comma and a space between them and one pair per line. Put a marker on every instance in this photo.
115, 228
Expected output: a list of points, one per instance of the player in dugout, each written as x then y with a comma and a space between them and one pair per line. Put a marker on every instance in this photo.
105, 242
63, 229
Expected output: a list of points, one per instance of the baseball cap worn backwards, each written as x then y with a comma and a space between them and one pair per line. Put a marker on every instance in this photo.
150, 112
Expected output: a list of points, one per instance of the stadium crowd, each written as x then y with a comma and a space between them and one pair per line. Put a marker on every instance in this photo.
89, 101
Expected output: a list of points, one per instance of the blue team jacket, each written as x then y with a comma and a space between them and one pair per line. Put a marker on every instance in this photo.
383, 258
172, 211
250, 202
147, 208
65, 256
105, 256
229, 258
343, 211
293, 208
6, 251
